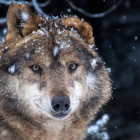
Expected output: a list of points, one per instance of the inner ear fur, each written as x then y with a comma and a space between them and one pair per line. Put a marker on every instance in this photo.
20, 25
83, 28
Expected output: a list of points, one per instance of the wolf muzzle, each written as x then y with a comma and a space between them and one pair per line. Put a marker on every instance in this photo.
60, 105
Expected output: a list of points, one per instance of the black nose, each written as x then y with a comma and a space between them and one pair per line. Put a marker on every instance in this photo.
60, 104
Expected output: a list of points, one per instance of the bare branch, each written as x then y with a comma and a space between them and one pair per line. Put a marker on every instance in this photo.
45, 3
36, 6
2, 20
5, 2
80, 10
38, 9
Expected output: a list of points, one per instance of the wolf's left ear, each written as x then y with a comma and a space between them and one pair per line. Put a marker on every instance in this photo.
20, 21
83, 28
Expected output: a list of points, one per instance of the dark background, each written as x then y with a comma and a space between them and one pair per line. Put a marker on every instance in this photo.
117, 37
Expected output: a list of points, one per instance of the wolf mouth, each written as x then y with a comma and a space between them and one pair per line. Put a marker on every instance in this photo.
60, 115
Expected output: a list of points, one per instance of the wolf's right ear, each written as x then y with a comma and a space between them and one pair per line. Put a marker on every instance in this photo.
20, 21
83, 28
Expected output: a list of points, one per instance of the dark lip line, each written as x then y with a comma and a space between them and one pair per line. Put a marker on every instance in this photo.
60, 115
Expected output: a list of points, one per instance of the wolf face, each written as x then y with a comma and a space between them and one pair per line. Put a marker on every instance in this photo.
50, 76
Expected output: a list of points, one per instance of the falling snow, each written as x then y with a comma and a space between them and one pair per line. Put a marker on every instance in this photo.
91, 46
69, 10
6, 47
60, 32
4, 30
11, 69
123, 19
24, 16
136, 38
27, 55
55, 25
55, 51
64, 45
26, 39
109, 69
40, 32
133, 47
73, 30
93, 62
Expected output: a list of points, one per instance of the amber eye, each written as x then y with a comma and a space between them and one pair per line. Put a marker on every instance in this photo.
35, 67
73, 67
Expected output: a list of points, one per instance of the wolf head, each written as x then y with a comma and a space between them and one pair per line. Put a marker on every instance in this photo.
49, 68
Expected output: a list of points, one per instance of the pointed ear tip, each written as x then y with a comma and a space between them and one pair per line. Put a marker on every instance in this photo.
90, 40
84, 28
25, 5
13, 4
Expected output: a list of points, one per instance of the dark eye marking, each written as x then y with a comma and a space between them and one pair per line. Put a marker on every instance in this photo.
73, 67
37, 69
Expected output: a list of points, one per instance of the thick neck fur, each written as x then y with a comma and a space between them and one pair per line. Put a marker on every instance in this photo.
16, 128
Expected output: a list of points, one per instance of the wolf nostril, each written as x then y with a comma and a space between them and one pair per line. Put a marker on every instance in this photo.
60, 104
56, 106
66, 105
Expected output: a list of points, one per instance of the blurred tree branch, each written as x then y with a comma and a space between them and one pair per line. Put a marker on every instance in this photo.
38, 7
2, 20
80, 10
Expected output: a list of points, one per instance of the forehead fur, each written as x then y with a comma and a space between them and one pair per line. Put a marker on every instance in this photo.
44, 41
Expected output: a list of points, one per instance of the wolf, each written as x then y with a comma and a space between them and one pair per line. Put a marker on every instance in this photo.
52, 81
